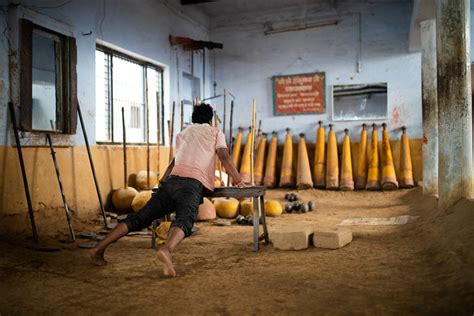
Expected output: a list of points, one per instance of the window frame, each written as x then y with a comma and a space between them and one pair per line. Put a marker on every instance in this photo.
145, 64
66, 113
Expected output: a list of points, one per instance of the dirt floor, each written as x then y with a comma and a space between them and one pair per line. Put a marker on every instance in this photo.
423, 267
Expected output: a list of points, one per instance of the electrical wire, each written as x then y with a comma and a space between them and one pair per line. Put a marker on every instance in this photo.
102, 21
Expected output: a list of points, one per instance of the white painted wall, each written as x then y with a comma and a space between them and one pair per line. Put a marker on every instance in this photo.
141, 27
250, 58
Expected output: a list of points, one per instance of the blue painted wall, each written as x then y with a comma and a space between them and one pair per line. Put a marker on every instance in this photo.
139, 27
250, 59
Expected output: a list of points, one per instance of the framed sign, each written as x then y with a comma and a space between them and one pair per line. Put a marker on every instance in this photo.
299, 94
356, 102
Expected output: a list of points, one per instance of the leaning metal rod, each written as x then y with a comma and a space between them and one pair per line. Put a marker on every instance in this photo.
170, 157
124, 140
210, 98
169, 139
81, 120
259, 133
182, 115
23, 173
158, 140
158, 127
225, 111
58, 175
231, 143
147, 136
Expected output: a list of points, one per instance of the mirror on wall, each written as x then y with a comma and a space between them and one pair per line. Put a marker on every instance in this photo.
356, 102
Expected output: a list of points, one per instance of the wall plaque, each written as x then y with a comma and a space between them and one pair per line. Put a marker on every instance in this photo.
299, 94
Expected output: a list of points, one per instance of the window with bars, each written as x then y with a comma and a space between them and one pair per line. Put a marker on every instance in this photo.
123, 81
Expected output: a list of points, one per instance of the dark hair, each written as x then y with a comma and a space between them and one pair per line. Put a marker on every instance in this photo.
202, 113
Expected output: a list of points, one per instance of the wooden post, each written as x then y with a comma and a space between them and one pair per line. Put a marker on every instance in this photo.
172, 131
252, 145
218, 162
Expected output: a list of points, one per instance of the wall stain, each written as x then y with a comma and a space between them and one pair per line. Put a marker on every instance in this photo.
395, 117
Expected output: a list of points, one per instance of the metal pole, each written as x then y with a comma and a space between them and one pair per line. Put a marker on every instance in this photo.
61, 189
124, 140
158, 127
172, 131
81, 120
170, 155
225, 111
231, 125
231, 141
147, 135
203, 73
182, 115
23, 173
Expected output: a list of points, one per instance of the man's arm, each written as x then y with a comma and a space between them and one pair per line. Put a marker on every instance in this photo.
228, 164
168, 171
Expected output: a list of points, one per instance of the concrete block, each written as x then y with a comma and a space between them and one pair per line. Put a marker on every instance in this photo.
291, 237
331, 238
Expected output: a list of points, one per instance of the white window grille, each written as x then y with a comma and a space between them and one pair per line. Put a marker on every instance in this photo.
122, 81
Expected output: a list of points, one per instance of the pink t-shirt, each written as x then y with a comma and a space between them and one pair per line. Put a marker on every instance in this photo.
195, 155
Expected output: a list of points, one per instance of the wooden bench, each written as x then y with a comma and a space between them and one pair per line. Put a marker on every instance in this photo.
256, 192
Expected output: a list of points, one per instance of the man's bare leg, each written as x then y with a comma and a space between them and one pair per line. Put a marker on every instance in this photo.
97, 253
175, 236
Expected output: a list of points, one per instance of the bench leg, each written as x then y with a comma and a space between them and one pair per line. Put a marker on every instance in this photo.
264, 220
255, 223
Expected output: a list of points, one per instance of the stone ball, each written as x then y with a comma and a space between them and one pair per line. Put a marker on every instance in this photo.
206, 211
226, 207
141, 180
123, 197
140, 200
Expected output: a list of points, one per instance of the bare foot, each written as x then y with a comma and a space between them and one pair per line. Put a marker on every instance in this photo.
165, 258
97, 258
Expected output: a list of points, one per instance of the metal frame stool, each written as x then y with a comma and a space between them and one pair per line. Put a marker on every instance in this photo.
255, 192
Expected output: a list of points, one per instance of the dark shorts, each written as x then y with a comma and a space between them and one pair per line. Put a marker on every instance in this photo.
176, 194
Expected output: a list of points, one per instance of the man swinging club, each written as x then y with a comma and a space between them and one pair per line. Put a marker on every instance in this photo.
191, 170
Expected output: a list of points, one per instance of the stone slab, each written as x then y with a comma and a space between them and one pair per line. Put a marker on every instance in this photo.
331, 238
294, 236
